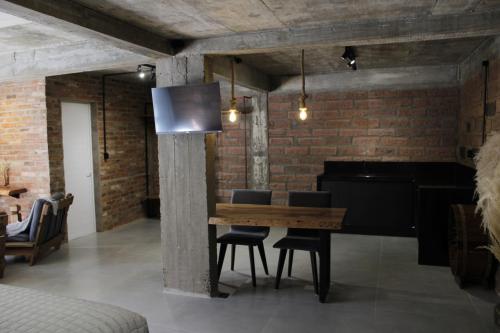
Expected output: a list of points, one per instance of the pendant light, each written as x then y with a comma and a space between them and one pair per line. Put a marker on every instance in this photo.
233, 112
302, 98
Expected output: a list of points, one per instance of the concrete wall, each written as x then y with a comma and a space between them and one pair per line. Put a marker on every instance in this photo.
122, 177
23, 140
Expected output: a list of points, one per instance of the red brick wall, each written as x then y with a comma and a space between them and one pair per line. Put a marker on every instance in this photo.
122, 177
230, 158
23, 140
471, 108
384, 125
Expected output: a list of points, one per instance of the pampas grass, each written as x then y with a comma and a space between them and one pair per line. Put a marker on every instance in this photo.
488, 189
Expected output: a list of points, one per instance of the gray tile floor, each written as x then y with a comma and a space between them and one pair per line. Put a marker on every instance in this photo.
377, 287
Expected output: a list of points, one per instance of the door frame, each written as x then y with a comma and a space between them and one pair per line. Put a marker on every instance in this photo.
95, 156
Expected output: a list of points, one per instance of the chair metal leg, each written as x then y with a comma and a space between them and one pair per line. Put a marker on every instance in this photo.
222, 254
252, 265
262, 253
281, 263
290, 262
233, 252
314, 267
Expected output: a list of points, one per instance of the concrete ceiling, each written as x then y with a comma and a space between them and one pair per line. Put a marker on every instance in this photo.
56, 37
200, 18
19, 35
327, 59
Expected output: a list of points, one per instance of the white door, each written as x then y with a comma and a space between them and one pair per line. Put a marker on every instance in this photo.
78, 167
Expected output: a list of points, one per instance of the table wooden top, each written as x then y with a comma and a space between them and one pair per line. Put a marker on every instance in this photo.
278, 216
12, 190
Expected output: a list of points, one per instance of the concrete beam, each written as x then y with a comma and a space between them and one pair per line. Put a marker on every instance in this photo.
359, 33
473, 63
244, 75
71, 16
384, 78
72, 58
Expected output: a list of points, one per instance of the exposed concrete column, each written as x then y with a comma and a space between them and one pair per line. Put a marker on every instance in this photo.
259, 157
187, 191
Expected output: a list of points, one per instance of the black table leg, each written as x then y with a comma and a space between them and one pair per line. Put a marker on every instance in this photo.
324, 264
212, 251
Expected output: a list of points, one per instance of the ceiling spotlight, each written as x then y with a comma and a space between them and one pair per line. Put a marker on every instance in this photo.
144, 69
349, 57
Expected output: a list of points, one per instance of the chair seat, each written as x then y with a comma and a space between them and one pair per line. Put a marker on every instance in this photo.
298, 243
243, 238
19, 238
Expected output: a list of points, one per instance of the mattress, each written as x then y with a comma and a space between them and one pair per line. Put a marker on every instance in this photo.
25, 310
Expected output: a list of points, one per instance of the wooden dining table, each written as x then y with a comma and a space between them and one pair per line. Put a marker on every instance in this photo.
325, 220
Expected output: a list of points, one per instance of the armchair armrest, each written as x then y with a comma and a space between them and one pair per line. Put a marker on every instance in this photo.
15, 214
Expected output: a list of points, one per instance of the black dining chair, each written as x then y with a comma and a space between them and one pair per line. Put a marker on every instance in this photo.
244, 235
301, 239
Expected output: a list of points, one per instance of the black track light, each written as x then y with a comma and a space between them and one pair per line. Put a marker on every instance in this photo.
349, 57
144, 69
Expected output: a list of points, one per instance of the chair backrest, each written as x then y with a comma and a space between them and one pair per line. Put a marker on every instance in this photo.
52, 224
255, 197
37, 215
319, 199
3, 224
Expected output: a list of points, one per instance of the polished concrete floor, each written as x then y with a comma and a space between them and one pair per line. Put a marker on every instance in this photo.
377, 287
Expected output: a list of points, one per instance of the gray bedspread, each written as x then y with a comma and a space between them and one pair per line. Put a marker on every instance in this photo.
25, 310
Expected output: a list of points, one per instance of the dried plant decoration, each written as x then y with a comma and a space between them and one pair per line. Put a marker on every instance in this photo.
488, 189
4, 172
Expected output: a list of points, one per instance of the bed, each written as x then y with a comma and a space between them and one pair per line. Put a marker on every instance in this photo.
26, 310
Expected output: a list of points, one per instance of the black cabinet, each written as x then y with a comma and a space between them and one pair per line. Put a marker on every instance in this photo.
400, 199
374, 206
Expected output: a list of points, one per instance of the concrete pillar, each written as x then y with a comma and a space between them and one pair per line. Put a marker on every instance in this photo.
259, 158
187, 192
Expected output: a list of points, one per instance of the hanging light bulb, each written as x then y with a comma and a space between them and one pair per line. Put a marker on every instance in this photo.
233, 112
302, 98
302, 108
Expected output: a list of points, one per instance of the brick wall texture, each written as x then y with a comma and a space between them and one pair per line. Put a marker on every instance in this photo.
382, 125
470, 119
23, 140
230, 156
122, 177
